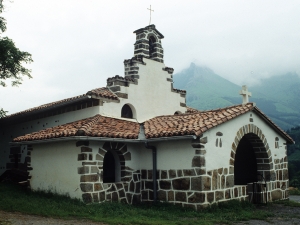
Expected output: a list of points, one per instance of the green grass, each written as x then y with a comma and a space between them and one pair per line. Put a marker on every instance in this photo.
14, 198
288, 203
296, 191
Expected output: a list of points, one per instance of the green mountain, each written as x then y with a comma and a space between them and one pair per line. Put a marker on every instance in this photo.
278, 96
205, 89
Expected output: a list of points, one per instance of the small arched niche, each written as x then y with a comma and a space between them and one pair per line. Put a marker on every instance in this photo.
177, 113
128, 111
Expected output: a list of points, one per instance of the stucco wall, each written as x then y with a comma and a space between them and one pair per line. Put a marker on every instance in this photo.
151, 97
171, 154
217, 157
54, 168
12, 131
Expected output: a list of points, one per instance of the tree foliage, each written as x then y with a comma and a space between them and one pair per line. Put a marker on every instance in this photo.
293, 156
11, 59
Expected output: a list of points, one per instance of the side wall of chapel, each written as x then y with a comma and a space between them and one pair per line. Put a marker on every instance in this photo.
11, 131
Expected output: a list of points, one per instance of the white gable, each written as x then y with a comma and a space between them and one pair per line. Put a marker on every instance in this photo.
151, 95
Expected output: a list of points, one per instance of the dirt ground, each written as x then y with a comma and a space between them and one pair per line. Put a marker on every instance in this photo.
15, 218
284, 216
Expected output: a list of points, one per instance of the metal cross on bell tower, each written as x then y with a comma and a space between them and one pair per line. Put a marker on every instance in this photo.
150, 14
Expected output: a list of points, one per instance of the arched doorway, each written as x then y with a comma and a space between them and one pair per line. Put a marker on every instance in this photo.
109, 168
251, 155
251, 163
245, 164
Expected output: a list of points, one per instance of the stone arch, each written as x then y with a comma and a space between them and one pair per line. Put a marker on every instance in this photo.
261, 150
91, 173
120, 155
151, 35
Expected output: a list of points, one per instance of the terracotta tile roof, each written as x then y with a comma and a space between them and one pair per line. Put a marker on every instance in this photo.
98, 92
103, 92
196, 123
45, 106
193, 123
96, 126
274, 125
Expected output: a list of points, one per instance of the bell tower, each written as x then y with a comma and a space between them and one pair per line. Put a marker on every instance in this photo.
148, 43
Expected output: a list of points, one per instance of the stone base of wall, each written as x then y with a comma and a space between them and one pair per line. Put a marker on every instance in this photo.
97, 191
194, 188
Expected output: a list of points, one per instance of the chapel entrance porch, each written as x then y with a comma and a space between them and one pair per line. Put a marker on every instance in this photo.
252, 167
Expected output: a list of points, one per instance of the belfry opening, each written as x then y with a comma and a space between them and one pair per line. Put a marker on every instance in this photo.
151, 45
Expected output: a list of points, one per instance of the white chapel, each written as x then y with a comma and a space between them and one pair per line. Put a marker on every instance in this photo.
136, 140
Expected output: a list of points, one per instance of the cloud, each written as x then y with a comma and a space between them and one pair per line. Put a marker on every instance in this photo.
77, 45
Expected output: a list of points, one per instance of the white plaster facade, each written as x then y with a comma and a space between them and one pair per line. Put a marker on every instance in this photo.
150, 97
56, 164
8, 132
219, 156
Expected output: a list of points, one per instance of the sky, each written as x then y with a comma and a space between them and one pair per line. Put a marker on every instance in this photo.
77, 44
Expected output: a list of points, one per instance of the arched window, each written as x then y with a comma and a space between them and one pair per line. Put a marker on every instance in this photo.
151, 45
126, 112
276, 142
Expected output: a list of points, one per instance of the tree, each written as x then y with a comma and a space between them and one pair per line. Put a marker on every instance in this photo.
11, 59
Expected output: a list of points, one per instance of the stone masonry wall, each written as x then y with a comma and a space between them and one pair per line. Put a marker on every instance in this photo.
193, 188
91, 179
196, 187
272, 172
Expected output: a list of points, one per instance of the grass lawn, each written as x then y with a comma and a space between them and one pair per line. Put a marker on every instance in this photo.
296, 191
15, 198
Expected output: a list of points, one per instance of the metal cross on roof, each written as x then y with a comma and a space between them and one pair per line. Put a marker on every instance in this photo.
150, 14
246, 94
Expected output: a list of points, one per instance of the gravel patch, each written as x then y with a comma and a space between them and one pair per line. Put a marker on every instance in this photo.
15, 218
295, 198
284, 215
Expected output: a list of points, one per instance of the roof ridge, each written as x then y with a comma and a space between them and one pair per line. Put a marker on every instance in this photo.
277, 127
44, 106
94, 126
110, 95
84, 130
229, 107
199, 112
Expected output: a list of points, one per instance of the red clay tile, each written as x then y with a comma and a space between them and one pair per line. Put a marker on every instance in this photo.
96, 126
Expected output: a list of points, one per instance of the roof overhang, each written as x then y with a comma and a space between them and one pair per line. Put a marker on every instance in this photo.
86, 138
270, 123
45, 109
